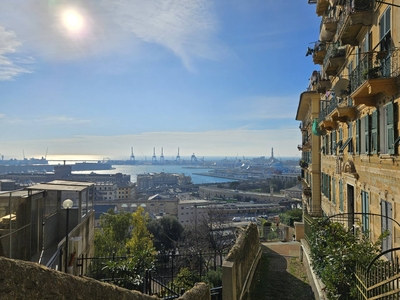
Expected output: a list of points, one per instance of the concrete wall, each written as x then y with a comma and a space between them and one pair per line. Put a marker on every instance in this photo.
26, 280
240, 264
315, 283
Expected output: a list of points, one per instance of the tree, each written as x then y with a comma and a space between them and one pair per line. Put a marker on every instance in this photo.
166, 231
113, 234
290, 216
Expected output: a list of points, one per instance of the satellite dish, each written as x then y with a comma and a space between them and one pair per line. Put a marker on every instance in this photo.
341, 87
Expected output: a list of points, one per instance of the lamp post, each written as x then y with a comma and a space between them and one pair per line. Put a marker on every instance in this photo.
67, 204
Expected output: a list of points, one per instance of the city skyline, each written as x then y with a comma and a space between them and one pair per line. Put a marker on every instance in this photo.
96, 78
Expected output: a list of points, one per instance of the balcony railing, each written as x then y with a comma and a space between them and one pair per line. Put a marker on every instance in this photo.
337, 109
355, 15
375, 73
319, 53
334, 59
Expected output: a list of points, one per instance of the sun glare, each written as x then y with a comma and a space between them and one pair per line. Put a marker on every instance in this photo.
72, 20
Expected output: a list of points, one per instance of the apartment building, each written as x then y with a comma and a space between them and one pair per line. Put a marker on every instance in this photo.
105, 191
350, 118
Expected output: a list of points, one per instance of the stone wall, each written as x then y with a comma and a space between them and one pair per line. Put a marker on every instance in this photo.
240, 264
26, 280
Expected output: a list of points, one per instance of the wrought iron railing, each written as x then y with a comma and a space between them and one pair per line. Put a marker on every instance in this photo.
160, 280
328, 106
377, 64
333, 50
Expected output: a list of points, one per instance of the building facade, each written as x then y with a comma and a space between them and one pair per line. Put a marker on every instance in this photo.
350, 118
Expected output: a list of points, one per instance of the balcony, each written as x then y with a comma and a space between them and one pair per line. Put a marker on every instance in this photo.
337, 109
376, 73
319, 53
322, 6
356, 14
329, 23
334, 59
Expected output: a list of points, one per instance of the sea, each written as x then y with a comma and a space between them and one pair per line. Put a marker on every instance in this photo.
134, 170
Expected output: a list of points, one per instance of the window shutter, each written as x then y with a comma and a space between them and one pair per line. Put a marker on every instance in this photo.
367, 141
374, 132
358, 138
341, 195
390, 127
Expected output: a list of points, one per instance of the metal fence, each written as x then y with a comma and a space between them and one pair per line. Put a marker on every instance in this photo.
173, 272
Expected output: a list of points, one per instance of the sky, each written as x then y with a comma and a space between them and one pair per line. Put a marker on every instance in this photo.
97, 77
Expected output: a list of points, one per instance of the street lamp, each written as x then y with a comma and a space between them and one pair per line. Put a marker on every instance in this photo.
67, 204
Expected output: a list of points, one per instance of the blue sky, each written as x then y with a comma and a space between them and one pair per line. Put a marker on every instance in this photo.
97, 77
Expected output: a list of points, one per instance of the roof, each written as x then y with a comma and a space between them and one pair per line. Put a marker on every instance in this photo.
304, 105
62, 185
17, 193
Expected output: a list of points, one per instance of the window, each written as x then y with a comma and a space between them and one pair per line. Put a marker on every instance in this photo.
333, 143
384, 31
385, 126
386, 224
365, 211
348, 143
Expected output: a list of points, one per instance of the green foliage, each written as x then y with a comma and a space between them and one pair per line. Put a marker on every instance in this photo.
116, 237
290, 216
113, 235
335, 252
185, 279
166, 231
214, 278
141, 242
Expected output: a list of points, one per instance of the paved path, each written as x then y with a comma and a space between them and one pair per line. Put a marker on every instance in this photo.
287, 279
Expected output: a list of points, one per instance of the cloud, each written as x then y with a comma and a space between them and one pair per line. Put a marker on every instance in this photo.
261, 108
187, 28
10, 67
184, 27
61, 120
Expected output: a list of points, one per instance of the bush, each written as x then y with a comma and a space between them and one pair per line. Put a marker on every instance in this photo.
335, 252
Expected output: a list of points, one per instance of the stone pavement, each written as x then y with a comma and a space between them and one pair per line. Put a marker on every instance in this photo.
287, 249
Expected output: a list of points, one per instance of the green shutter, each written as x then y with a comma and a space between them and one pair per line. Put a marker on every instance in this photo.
358, 138
329, 187
367, 141
390, 127
341, 195
374, 132
333, 190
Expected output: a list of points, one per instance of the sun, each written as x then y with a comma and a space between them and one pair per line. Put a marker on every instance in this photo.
72, 20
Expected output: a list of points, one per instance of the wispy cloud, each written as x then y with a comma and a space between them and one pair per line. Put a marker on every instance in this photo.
10, 67
262, 108
187, 28
61, 120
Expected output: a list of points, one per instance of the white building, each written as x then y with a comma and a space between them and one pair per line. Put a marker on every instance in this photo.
191, 211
